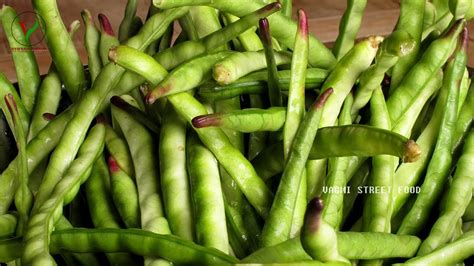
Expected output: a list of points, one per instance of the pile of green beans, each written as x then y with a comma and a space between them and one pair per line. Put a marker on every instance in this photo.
239, 138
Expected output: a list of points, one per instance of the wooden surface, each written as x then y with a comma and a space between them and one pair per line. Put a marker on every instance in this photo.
324, 15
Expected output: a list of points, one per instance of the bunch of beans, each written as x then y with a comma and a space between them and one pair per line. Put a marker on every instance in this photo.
223, 132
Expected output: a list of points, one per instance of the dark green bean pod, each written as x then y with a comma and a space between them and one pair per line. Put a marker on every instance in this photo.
64, 54
126, 27
27, 71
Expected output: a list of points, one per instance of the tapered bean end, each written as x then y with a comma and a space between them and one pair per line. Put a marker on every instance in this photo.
49, 116
11, 104
464, 39
312, 217
412, 152
206, 121
319, 103
157, 3
264, 30
375, 41
270, 7
113, 165
119, 102
455, 28
302, 23
150, 98
86, 16
74, 26
113, 54
105, 25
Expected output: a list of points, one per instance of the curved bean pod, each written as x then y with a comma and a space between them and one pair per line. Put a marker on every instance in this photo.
6, 87
274, 93
278, 223
246, 120
8, 224
440, 163
349, 27
36, 251
457, 200
91, 42
27, 71
107, 39
59, 42
127, 25
238, 65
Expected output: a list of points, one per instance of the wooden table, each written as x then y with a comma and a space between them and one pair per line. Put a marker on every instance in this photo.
324, 15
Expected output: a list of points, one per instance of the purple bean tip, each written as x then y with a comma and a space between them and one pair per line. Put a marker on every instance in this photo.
113, 165
302, 23
312, 217
205, 121
105, 24
323, 97
49, 116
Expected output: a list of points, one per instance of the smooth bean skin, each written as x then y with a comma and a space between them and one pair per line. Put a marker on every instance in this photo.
8, 223
284, 28
465, 118
452, 253
351, 245
60, 44
246, 120
118, 148
207, 198
273, 91
27, 71
91, 42
349, 27
127, 25
173, 175
469, 213
240, 64
6, 87
457, 200
344, 75
107, 39
125, 195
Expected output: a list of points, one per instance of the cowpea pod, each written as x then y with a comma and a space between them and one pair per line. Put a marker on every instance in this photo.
410, 20
69, 67
196, 70
207, 198
91, 42
246, 120
118, 148
274, 93
107, 39
456, 201
349, 27
284, 28
398, 45
423, 71
465, 118
126, 28
277, 227
238, 65
469, 213
440, 163
351, 245
344, 75
6, 87
8, 223
41, 224
27, 71
215, 140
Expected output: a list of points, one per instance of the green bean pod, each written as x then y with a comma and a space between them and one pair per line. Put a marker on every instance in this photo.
23, 195
47, 101
60, 44
274, 93
208, 201
469, 213
255, 83
8, 224
249, 40
6, 88
127, 24
118, 148
91, 42
135, 111
318, 238
278, 224
196, 70
349, 27
284, 28
423, 71
247, 120
36, 251
101, 205
395, 46
465, 118
429, 15
125, 195
336, 179
107, 39
442, 158
410, 20
344, 75
206, 21
240, 64
452, 253
457, 200
27, 71
170, 58
174, 176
